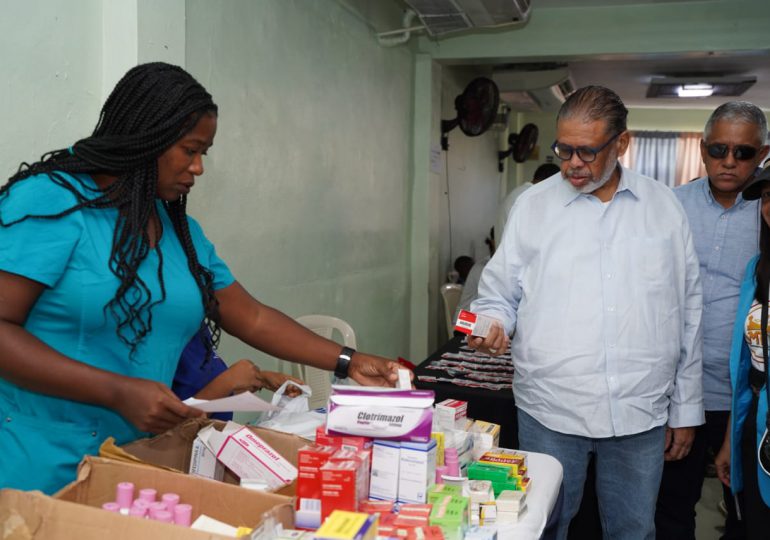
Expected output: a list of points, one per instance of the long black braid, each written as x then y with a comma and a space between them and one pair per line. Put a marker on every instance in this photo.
151, 108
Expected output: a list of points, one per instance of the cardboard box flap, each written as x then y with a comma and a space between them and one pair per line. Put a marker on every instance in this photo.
172, 450
98, 477
31, 515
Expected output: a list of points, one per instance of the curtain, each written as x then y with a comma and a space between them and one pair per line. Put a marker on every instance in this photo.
689, 164
668, 156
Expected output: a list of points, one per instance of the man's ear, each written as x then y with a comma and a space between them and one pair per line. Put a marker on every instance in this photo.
622, 143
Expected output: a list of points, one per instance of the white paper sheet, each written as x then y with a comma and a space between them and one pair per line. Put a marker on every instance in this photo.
244, 402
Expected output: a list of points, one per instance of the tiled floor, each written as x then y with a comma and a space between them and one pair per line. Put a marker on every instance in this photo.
709, 520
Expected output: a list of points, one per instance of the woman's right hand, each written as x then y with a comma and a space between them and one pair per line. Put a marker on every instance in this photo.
722, 462
151, 406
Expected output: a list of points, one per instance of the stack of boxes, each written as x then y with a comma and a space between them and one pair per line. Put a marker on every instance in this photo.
333, 474
510, 506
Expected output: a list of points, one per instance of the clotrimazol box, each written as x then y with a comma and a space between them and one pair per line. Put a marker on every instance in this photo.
384, 413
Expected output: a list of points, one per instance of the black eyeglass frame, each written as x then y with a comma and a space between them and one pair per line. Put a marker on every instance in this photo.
593, 152
741, 152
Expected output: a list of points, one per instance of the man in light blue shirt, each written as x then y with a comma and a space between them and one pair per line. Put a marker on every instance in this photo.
596, 277
725, 229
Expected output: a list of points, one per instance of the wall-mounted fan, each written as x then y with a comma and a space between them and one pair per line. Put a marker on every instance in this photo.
520, 145
476, 110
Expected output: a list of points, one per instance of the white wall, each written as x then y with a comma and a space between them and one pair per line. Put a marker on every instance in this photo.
50, 94
306, 189
469, 184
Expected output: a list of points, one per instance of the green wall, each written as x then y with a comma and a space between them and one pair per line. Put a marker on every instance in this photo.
306, 191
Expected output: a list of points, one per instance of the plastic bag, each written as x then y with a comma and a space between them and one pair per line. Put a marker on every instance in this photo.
294, 415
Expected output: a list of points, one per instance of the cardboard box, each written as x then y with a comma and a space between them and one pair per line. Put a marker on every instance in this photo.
248, 455
31, 515
172, 450
97, 478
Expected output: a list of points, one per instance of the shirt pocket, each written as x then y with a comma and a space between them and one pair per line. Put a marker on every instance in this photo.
45, 452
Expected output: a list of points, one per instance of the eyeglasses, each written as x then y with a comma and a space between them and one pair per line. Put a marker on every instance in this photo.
586, 154
741, 152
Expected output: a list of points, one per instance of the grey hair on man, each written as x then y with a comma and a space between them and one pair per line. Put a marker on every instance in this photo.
738, 111
596, 103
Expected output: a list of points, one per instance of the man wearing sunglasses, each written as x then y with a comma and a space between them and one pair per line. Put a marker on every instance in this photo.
725, 229
596, 279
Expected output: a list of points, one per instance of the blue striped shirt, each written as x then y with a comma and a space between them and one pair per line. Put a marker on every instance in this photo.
725, 240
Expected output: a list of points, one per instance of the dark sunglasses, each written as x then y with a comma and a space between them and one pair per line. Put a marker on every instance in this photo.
741, 152
586, 154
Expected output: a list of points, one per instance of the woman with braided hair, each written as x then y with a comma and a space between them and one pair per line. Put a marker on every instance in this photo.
104, 279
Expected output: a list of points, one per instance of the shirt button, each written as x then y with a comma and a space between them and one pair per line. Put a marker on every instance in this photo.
93, 434
611, 308
612, 345
716, 248
609, 276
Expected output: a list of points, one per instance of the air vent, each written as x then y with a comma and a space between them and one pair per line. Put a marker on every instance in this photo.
444, 16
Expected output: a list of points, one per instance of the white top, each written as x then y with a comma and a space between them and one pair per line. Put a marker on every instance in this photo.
505, 209
753, 333
606, 302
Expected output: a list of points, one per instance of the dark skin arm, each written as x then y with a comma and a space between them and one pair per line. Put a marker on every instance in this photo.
31, 364
269, 330
244, 376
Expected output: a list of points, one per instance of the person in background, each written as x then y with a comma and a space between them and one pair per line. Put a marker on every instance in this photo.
462, 266
746, 446
104, 279
596, 278
210, 378
543, 171
725, 230
471, 286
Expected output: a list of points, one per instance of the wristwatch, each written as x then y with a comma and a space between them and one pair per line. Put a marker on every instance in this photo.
343, 363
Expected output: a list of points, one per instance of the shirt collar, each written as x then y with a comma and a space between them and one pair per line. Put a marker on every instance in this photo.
739, 201
628, 182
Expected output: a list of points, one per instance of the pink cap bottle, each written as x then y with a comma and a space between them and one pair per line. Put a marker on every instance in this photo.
183, 515
451, 462
148, 494
111, 507
141, 503
440, 470
124, 494
138, 511
156, 507
171, 500
164, 516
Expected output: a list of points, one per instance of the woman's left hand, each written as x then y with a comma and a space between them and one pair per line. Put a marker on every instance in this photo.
370, 370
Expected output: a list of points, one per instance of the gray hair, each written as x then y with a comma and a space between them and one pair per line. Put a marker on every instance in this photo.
738, 111
596, 103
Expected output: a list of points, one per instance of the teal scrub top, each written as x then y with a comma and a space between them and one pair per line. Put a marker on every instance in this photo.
43, 438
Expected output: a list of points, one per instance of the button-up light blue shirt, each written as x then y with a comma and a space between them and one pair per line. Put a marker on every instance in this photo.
725, 240
605, 300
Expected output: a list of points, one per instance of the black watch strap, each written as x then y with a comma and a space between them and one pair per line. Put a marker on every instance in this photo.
343, 363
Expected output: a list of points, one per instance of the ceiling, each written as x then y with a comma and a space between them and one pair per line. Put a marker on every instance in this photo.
630, 75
